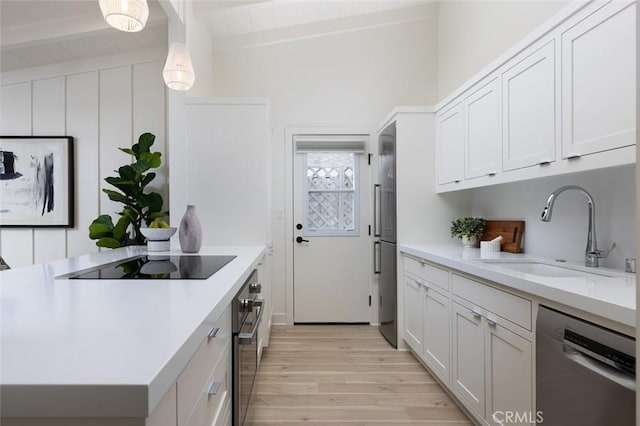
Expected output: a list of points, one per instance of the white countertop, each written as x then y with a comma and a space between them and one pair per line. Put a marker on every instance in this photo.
613, 297
104, 347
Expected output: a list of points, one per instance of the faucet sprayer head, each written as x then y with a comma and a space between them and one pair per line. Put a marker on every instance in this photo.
546, 214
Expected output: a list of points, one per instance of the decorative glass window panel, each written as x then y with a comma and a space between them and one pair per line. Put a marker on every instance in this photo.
331, 198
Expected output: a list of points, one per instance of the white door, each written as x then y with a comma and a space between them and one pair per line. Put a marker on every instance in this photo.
450, 145
483, 140
331, 253
413, 320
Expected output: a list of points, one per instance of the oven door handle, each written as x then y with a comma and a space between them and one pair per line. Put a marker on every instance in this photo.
247, 338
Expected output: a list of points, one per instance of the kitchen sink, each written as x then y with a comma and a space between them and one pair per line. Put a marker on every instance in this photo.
545, 269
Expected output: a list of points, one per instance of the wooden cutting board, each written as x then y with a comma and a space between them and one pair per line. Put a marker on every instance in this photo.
511, 231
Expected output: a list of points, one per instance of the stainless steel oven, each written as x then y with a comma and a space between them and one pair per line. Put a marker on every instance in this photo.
247, 311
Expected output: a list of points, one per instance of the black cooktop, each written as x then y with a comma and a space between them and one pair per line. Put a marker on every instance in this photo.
156, 267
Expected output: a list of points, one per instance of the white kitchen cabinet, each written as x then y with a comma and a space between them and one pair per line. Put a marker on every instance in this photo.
509, 371
413, 318
530, 112
467, 369
450, 145
436, 341
483, 134
599, 80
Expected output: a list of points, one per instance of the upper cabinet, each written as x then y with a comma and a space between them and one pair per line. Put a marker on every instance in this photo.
561, 101
530, 109
450, 145
598, 81
483, 138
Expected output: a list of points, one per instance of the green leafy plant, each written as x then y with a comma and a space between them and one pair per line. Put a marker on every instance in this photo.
139, 206
468, 226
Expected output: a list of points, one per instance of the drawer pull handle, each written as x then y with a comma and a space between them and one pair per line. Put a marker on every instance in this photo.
213, 332
574, 157
456, 181
492, 174
544, 163
490, 322
214, 388
476, 314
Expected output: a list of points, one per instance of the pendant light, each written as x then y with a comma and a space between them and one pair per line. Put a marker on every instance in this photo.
125, 15
178, 70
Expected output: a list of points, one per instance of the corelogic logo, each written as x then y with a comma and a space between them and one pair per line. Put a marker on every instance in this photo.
517, 417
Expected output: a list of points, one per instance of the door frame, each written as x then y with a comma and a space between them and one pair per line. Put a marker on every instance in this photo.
289, 145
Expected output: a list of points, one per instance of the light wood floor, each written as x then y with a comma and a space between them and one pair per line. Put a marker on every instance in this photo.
345, 375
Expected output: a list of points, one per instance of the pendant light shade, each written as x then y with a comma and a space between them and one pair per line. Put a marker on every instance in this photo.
178, 70
125, 15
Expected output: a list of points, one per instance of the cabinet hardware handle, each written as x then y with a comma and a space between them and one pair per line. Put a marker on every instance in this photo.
214, 388
490, 322
476, 314
574, 157
544, 163
492, 174
213, 332
456, 181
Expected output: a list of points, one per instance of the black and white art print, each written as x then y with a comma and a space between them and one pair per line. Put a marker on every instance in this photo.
36, 181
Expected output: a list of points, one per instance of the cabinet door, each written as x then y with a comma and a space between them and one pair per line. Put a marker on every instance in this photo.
509, 372
483, 136
450, 143
436, 333
467, 367
413, 321
599, 80
529, 100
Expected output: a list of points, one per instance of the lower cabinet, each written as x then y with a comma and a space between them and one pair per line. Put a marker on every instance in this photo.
426, 324
477, 340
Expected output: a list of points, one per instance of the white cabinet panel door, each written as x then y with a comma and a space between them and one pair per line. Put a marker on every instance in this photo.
436, 333
483, 138
413, 319
450, 144
599, 80
468, 358
509, 369
529, 98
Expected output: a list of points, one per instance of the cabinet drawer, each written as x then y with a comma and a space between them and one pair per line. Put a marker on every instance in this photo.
194, 378
511, 307
426, 271
209, 408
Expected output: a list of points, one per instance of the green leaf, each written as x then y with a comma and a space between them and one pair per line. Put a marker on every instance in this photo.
102, 226
127, 151
153, 201
158, 215
140, 167
127, 172
153, 159
120, 229
145, 141
130, 213
108, 243
116, 196
147, 179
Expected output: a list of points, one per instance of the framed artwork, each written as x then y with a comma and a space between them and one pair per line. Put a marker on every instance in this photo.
36, 181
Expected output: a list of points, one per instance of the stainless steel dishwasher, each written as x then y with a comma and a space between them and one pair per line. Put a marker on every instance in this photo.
585, 374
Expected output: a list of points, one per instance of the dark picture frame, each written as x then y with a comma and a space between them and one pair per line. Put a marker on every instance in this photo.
36, 182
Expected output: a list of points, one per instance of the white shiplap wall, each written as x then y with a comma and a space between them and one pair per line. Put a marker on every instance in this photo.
103, 108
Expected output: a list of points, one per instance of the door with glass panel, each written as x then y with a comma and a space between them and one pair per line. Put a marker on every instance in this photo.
331, 230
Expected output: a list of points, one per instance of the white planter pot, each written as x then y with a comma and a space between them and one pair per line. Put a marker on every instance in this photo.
471, 241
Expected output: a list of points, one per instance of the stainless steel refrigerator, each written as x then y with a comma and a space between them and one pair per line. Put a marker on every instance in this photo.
385, 256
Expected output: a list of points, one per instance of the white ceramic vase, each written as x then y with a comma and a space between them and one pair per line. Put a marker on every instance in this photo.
471, 241
190, 234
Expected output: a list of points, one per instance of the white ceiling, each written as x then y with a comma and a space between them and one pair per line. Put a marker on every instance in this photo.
41, 32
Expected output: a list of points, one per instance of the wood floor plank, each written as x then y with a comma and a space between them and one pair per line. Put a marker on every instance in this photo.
345, 375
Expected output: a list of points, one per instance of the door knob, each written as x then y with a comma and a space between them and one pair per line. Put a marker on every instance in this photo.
299, 226
301, 240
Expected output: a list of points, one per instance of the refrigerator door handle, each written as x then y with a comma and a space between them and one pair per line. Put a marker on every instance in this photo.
377, 253
376, 210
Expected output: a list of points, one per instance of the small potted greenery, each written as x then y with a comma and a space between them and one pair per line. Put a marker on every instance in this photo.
469, 229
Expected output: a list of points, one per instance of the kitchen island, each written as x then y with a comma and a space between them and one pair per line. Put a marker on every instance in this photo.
91, 349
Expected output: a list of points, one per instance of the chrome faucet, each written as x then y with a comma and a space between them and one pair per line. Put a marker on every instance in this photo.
592, 254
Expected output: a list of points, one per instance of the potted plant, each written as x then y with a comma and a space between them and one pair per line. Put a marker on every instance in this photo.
140, 207
469, 229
